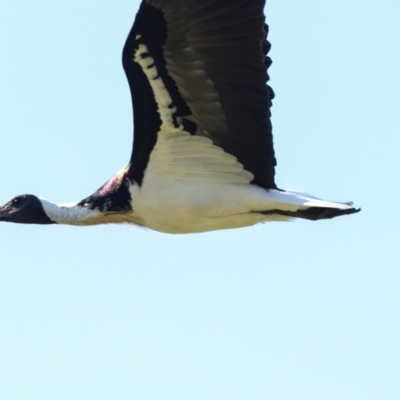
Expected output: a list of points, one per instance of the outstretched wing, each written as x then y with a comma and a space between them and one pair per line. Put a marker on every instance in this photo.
202, 65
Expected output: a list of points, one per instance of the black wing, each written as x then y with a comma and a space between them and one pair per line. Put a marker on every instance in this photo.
212, 58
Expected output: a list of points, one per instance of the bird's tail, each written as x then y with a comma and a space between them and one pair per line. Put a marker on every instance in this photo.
293, 204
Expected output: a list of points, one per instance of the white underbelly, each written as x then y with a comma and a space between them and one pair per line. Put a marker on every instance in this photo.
175, 206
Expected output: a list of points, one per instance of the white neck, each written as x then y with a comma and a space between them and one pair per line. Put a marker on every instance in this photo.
71, 214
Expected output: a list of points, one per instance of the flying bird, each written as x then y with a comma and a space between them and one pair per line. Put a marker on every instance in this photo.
203, 156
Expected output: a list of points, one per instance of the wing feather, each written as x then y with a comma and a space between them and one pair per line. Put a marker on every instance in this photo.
212, 58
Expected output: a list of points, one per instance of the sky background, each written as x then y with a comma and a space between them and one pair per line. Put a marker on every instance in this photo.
280, 311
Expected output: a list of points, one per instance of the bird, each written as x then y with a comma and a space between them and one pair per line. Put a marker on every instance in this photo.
203, 156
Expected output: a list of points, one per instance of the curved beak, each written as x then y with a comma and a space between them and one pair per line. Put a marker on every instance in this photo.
6, 213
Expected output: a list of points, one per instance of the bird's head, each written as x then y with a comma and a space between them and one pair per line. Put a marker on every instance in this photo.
24, 209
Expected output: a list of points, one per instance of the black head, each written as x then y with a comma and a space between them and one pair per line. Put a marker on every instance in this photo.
24, 209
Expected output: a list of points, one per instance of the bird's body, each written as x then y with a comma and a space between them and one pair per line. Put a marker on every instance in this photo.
203, 157
173, 205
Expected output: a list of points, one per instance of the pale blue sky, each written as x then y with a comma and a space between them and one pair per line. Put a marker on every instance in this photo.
280, 311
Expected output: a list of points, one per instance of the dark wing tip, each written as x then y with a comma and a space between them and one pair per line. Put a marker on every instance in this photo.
317, 213
313, 213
